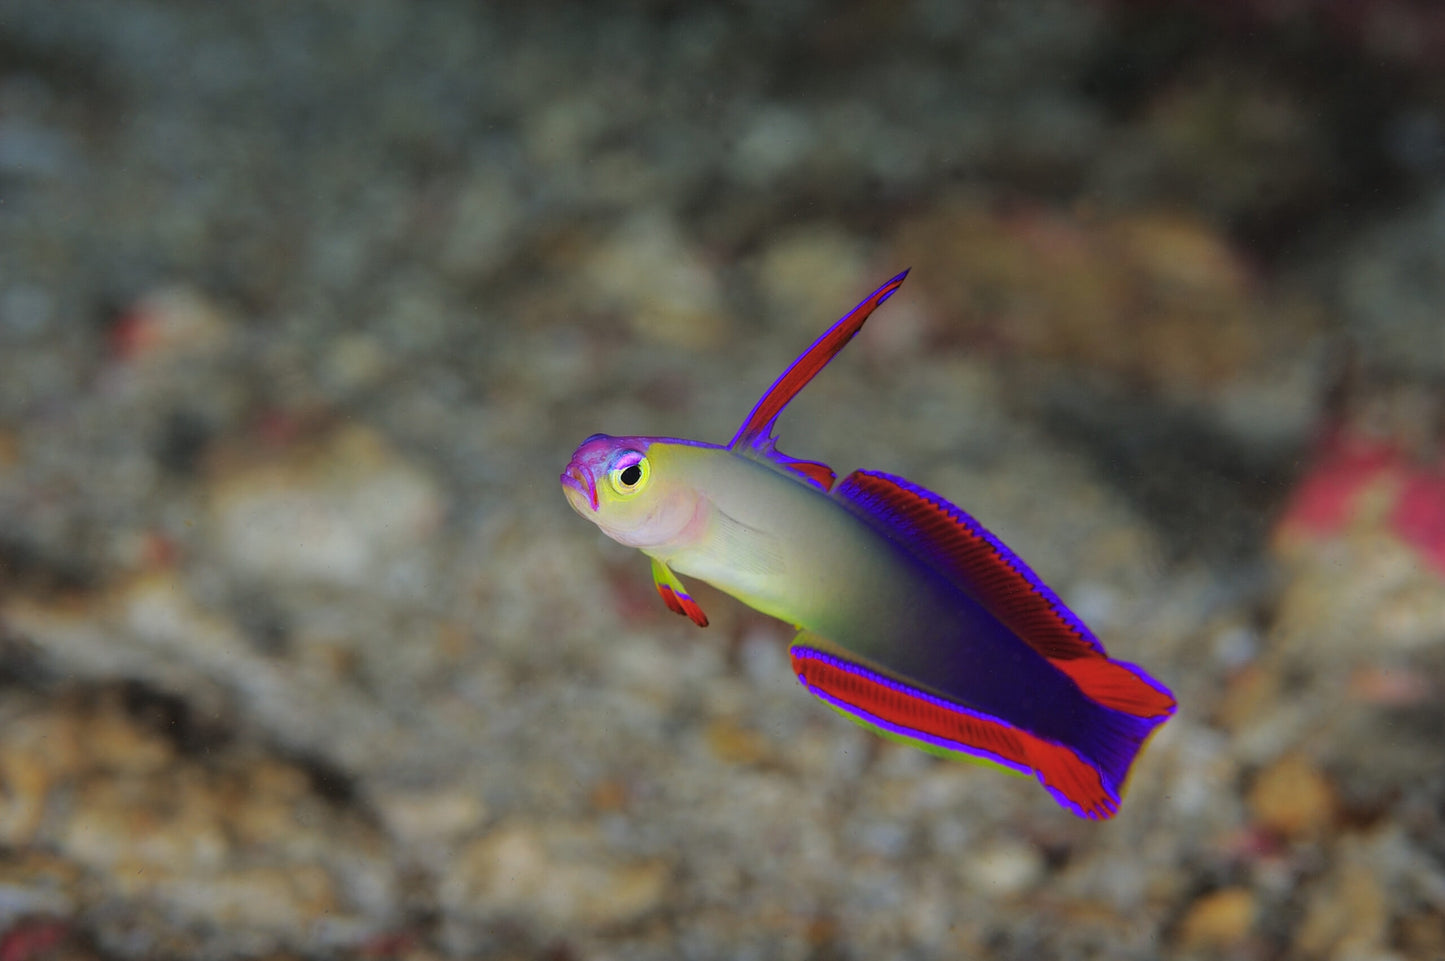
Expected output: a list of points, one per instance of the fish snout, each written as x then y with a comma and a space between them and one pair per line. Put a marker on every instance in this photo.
579, 487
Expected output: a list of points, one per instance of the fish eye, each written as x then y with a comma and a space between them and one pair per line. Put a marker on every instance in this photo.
629, 472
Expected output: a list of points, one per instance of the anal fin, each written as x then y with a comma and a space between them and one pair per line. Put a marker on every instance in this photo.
900, 711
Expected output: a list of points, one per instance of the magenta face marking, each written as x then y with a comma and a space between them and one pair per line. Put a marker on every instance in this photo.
580, 480
625, 460
594, 457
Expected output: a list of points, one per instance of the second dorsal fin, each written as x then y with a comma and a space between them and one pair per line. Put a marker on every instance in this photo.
983, 567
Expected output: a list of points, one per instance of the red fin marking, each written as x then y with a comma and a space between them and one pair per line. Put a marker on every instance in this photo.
984, 568
1074, 782
820, 475
670, 599
1118, 685
759, 423
976, 561
906, 708
690, 608
683, 604
901, 710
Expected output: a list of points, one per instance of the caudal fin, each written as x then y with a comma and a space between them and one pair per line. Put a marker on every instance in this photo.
1088, 775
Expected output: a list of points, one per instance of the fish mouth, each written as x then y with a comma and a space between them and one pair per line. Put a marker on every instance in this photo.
579, 479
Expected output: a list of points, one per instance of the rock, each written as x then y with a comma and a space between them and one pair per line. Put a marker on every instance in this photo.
35, 882
1247, 144
1348, 917
1152, 299
353, 362
1219, 920
171, 324
810, 275
485, 222
1422, 935
558, 875
25, 310
340, 512
1392, 290
416, 817
150, 627
1391, 687
647, 271
9, 450
1357, 480
645, 668
733, 743
775, 141
219, 843
1292, 798
25, 781
1363, 546
1005, 868
292, 899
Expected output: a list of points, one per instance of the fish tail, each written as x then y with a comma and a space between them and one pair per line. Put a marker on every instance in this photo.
1089, 774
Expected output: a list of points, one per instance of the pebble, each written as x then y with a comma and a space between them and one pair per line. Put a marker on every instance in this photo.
557, 874
1292, 797
1219, 920
172, 324
1004, 868
354, 362
734, 743
416, 817
26, 780
1347, 917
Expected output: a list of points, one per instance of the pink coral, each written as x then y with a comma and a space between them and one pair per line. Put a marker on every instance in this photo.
1328, 498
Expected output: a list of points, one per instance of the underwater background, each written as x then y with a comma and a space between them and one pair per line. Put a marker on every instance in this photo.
303, 307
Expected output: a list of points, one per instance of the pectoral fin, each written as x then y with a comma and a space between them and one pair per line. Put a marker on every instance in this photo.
674, 595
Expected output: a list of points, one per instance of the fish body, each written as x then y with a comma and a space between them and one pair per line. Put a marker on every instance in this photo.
913, 620
793, 552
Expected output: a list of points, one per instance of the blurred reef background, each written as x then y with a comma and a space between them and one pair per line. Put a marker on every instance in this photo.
303, 307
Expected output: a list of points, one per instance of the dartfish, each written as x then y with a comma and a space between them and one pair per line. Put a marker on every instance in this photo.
913, 620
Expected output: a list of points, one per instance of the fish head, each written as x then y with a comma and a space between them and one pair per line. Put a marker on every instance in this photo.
631, 488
